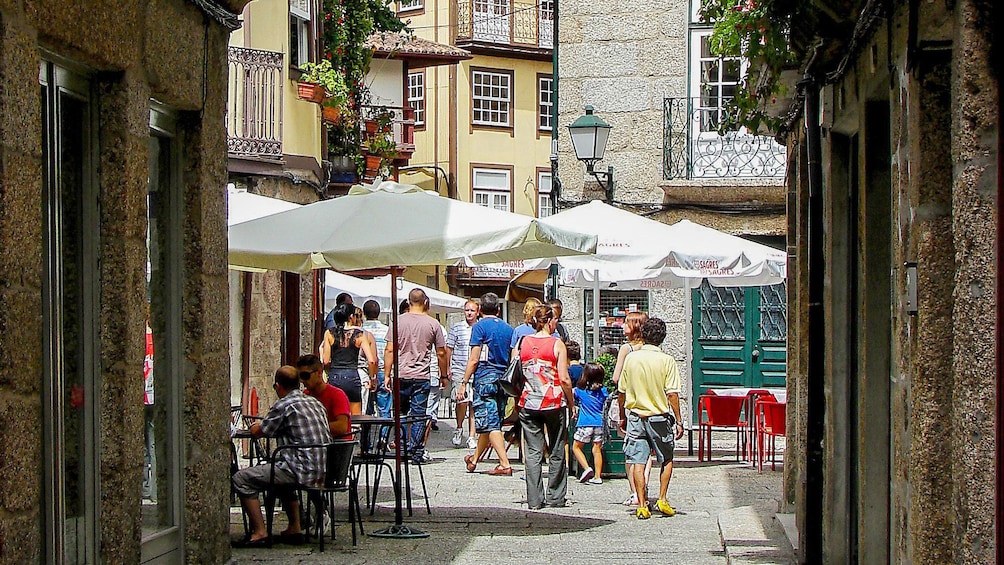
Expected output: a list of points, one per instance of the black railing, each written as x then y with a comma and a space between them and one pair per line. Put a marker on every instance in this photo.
693, 148
254, 103
505, 22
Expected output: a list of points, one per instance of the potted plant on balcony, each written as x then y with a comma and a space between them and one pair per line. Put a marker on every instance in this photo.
381, 150
320, 82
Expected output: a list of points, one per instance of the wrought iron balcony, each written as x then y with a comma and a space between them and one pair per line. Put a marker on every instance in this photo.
693, 148
505, 23
254, 103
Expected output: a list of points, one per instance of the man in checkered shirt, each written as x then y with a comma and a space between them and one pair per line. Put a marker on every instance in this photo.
294, 419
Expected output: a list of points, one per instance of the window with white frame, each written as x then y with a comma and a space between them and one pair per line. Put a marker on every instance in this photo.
299, 32
416, 95
545, 102
713, 80
491, 188
491, 94
408, 5
545, 207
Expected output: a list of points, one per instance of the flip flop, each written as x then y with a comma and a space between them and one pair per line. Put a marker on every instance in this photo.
249, 543
471, 463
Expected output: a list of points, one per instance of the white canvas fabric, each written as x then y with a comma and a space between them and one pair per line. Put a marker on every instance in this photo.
635, 252
419, 228
379, 289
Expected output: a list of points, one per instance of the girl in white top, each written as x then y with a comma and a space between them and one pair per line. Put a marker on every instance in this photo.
632, 332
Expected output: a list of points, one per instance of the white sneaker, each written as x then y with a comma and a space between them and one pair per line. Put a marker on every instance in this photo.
472, 442
586, 475
595, 481
632, 500
458, 435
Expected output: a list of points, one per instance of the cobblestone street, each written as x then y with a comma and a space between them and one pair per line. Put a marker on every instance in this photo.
480, 519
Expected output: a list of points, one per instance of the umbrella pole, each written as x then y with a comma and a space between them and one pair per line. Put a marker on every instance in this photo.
398, 529
596, 313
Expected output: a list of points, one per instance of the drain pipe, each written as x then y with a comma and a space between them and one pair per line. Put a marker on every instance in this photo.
816, 400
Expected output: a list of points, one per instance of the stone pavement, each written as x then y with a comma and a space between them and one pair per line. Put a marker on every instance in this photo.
480, 519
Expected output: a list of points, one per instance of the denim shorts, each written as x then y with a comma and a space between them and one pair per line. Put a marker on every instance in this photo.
348, 381
489, 407
645, 435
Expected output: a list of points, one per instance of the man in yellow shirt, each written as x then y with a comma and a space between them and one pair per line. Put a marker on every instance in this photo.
648, 388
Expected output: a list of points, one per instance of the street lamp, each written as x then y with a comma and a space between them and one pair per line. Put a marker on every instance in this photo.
589, 139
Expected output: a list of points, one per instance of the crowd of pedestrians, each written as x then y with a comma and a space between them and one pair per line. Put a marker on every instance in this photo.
350, 376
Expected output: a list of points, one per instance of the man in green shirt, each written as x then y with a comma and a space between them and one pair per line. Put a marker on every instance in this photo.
648, 389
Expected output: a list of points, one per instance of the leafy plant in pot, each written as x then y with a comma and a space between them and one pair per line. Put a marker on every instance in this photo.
334, 91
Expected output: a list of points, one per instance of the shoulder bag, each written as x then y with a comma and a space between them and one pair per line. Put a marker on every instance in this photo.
512, 379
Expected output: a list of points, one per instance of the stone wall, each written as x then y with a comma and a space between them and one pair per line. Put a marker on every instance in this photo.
130, 51
923, 396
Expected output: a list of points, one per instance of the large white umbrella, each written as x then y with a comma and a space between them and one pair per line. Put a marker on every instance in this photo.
391, 225
395, 224
379, 289
638, 253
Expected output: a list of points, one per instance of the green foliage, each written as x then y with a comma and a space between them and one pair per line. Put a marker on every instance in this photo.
347, 24
756, 30
331, 79
609, 362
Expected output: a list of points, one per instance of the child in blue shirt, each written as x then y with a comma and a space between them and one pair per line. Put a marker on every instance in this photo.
590, 395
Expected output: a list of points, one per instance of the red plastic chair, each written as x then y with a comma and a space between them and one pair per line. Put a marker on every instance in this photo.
771, 422
750, 417
723, 412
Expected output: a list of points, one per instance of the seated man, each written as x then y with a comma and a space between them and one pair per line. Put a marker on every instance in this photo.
335, 402
294, 419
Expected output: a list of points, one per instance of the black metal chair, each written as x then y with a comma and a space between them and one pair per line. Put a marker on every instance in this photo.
338, 477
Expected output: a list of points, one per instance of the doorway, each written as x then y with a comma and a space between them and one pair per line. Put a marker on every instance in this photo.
740, 337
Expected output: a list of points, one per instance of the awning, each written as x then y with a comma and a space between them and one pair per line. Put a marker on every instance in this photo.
527, 285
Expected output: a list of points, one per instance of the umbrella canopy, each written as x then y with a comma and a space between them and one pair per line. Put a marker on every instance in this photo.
394, 224
638, 253
243, 206
379, 289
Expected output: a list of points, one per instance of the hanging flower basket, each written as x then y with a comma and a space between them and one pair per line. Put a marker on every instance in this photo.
310, 91
330, 114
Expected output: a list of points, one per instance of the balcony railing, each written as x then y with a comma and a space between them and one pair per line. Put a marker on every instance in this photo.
254, 103
693, 148
503, 22
402, 124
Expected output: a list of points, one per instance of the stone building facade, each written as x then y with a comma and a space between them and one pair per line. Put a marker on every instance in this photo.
894, 399
645, 69
112, 218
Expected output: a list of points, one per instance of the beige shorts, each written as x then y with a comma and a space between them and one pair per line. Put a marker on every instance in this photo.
468, 391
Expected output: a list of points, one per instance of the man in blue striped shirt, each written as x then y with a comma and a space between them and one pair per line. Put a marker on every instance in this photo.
458, 350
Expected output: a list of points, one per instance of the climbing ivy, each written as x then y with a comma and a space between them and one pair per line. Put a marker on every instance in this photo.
757, 30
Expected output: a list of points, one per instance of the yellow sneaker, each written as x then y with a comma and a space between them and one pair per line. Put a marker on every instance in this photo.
664, 507
643, 513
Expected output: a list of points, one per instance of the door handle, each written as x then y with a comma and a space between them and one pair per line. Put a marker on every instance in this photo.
755, 354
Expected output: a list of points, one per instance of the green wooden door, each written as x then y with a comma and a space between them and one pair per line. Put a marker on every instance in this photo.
739, 338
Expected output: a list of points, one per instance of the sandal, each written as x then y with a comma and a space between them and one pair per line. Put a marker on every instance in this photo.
471, 463
499, 470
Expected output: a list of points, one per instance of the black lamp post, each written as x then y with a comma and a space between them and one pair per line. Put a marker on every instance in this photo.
589, 139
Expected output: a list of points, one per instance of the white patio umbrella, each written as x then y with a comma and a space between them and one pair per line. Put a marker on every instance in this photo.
392, 225
638, 253
379, 289
395, 224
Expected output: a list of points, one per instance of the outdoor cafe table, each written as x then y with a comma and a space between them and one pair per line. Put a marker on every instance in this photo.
366, 422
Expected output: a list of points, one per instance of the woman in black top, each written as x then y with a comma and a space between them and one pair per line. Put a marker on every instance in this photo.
340, 353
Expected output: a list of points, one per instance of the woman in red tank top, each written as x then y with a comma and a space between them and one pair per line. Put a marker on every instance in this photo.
544, 404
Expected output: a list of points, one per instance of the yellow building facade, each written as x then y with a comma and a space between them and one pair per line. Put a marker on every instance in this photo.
483, 121
484, 124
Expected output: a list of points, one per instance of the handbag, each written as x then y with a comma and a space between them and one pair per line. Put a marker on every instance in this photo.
512, 379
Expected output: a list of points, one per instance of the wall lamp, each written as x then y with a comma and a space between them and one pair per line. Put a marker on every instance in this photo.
589, 139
